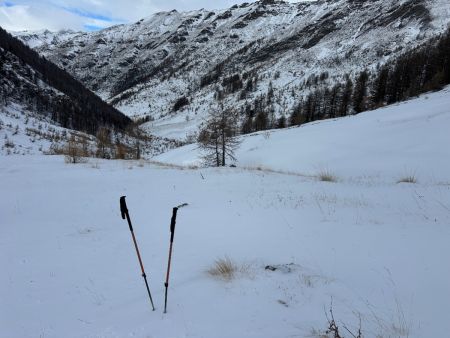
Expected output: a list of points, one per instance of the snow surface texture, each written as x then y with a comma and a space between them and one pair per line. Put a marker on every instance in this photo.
377, 248
145, 67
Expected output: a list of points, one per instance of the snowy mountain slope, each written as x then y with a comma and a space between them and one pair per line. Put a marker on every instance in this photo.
23, 131
373, 248
403, 139
29, 80
27, 106
41, 107
146, 67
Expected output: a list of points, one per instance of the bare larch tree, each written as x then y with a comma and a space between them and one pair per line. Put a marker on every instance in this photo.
218, 137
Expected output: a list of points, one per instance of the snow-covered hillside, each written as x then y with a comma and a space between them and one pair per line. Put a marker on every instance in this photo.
25, 132
146, 67
374, 248
403, 139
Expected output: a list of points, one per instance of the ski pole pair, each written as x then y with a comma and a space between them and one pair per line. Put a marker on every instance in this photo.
125, 214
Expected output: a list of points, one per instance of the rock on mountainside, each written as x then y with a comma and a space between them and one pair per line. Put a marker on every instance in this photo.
175, 67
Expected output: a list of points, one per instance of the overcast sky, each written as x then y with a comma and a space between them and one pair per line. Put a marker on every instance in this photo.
20, 15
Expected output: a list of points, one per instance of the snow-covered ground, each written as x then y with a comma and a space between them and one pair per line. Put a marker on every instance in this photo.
376, 248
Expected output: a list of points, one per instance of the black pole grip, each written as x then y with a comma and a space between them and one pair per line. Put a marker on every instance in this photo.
124, 211
123, 207
172, 223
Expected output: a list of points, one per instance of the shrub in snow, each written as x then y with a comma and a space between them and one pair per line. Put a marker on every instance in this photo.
326, 176
9, 143
74, 151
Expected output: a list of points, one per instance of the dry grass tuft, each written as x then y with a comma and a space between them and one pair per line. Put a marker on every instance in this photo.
223, 268
273, 171
326, 176
408, 179
174, 166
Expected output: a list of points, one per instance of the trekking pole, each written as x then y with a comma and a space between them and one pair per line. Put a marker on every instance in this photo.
124, 211
172, 233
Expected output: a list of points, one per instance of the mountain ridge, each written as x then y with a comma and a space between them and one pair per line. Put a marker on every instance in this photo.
231, 57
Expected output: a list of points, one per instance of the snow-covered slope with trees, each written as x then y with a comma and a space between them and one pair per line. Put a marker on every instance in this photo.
42, 107
30, 80
25, 131
371, 249
404, 139
174, 67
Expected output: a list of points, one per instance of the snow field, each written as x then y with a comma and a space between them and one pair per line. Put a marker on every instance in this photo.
375, 248
70, 267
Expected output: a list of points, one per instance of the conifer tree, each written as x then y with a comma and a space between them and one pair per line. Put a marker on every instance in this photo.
360, 92
346, 98
380, 87
296, 117
333, 101
261, 121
